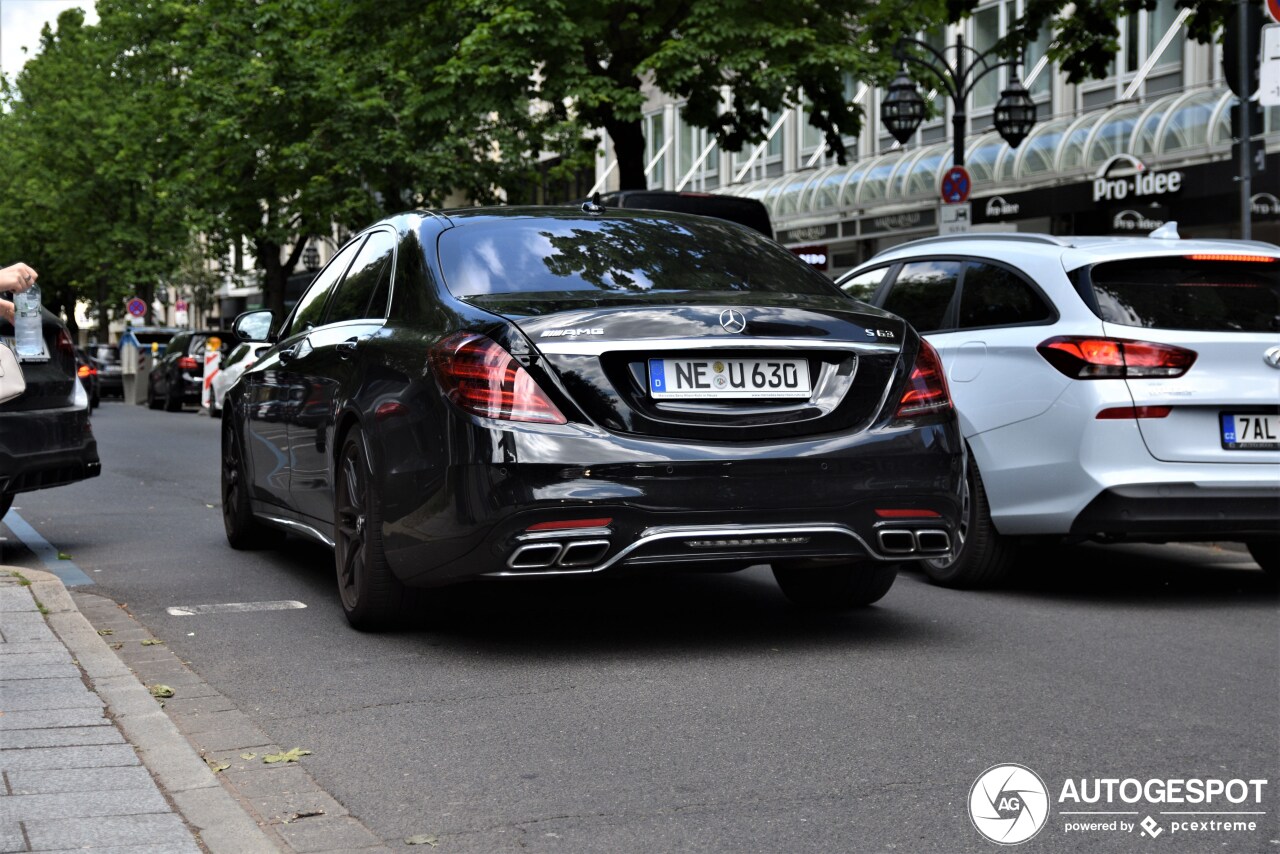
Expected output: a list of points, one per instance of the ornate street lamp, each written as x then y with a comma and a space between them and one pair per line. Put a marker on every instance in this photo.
311, 258
903, 108
1015, 113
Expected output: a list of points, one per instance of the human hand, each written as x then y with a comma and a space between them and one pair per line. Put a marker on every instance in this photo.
17, 278
6, 310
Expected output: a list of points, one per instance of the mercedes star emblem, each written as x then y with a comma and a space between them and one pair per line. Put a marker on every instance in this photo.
732, 321
1271, 357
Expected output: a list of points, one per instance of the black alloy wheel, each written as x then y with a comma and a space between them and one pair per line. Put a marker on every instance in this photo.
153, 402
980, 556
244, 530
835, 587
372, 597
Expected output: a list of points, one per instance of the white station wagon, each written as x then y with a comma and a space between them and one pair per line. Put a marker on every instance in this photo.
1108, 388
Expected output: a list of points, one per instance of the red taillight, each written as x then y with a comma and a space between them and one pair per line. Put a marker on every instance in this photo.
188, 363
926, 392
482, 378
1084, 358
1224, 256
569, 524
1117, 413
63, 342
86, 371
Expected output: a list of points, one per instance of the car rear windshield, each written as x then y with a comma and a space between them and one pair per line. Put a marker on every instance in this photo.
1186, 293
619, 256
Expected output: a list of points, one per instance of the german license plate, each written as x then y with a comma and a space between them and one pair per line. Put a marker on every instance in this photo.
1250, 431
728, 378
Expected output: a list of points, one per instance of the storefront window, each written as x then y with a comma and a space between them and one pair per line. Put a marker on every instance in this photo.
1158, 22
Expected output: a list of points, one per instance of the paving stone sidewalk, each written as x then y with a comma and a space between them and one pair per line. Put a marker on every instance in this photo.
88, 760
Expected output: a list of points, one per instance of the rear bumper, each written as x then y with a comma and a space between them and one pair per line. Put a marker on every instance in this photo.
1180, 512
674, 505
43, 448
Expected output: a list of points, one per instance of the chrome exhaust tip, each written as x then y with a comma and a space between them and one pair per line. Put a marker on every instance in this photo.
583, 553
535, 556
933, 541
896, 541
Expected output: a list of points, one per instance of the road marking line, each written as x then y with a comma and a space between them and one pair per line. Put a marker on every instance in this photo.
233, 607
70, 574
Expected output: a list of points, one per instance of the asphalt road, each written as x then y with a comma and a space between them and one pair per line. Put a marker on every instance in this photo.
698, 713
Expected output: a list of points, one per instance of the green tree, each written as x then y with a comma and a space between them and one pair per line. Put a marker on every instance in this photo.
735, 62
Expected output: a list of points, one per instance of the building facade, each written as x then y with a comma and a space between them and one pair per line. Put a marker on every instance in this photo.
1124, 154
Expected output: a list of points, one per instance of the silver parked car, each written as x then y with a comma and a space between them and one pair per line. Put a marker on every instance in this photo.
1108, 388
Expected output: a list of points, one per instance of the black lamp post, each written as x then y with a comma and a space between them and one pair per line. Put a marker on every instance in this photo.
902, 109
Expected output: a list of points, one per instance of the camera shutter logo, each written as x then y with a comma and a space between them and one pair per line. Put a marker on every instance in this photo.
1009, 804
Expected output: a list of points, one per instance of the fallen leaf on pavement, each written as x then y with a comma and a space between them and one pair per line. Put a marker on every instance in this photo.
422, 840
105, 632
288, 756
161, 691
247, 756
117, 646
303, 814
218, 767
152, 642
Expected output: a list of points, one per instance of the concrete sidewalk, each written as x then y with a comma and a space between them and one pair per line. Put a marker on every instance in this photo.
88, 760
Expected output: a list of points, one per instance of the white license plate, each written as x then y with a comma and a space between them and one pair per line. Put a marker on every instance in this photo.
1250, 431
728, 378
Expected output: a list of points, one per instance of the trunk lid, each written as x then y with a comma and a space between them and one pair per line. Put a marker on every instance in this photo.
50, 383
741, 367
1227, 311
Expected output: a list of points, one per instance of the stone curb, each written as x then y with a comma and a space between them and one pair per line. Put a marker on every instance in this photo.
222, 823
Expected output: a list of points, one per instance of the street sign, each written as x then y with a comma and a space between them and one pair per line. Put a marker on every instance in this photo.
1273, 9
955, 218
136, 307
1233, 45
1269, 74
956, 185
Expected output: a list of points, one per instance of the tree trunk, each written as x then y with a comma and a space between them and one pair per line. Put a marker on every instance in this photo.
628, 147
274, 276
104, 316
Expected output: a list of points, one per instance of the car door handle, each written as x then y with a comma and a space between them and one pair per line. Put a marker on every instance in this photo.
347, 348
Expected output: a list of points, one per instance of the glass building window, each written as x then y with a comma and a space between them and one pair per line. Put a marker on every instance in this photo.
655, 137
691, 142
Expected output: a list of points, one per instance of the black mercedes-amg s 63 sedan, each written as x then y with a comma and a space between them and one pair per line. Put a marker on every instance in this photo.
506, 392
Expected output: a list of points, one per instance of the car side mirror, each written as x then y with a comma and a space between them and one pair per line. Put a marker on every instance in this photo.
256, 326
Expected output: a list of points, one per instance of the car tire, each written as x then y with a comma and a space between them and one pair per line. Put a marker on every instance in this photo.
1267, 554
372, 597
6, 502
244, 530
153, 402
173, 402
982, 557
838, 587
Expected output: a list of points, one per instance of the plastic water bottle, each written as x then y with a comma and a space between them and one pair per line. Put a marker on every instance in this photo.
28, 324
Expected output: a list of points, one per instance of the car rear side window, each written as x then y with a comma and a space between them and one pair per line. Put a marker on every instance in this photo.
1187, 293
633, 255
863, 286
922, 293
996, 296
363, 293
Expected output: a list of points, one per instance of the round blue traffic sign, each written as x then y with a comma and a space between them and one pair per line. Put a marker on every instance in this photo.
136, 307
956, 185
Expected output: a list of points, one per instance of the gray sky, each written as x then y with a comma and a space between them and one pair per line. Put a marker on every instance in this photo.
20, 23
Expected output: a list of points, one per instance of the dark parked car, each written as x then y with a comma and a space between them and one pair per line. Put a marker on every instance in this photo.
87, 369
177, 378
110, 378
540, 392
740, 209
45, 437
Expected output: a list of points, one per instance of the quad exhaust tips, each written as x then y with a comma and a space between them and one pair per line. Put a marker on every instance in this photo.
904, 541
575, 554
